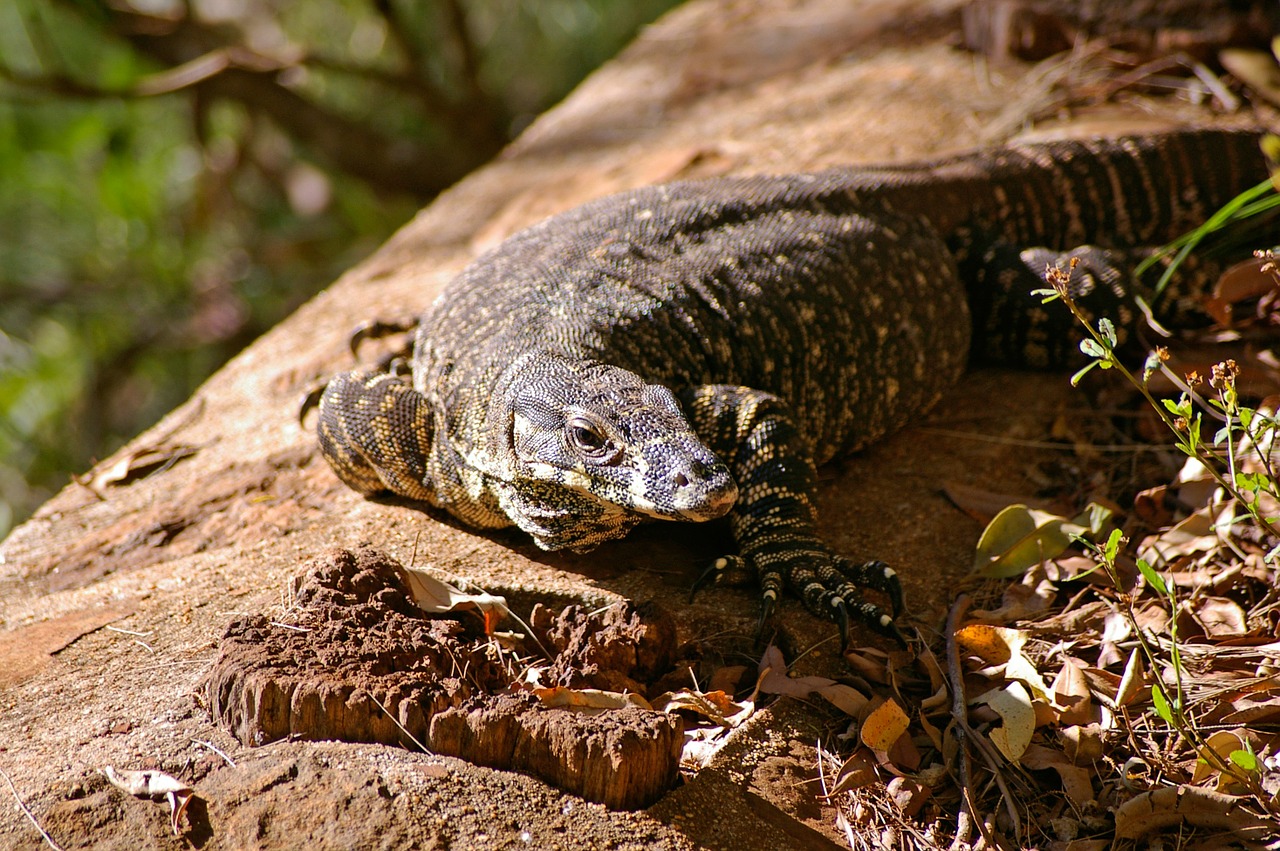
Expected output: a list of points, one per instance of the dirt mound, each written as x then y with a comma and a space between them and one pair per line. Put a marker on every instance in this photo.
359, 661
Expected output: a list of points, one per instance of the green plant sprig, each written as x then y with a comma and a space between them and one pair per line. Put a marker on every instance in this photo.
1171, 708
1181, 417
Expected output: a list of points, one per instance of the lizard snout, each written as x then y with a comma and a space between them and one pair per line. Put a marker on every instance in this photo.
705, 494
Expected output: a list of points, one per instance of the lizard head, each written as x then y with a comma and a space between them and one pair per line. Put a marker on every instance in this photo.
592, 450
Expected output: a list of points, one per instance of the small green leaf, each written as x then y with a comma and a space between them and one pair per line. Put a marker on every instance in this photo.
1245, 759
1153, 579
1161, 705
1075, 379
1046, 295
1112, 547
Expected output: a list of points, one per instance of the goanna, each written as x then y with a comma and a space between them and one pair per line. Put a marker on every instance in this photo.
690, 350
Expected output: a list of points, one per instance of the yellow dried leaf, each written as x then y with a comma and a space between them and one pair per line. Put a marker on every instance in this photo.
1254, 68
998, 645
884, 726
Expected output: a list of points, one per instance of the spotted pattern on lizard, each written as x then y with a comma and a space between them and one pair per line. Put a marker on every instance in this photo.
695, 349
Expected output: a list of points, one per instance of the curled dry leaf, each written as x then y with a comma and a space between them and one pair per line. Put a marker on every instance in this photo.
1173, 806
1256, 69
1013, 704
1133, 682
1076, 780
715, 705
1070, 692
140, 462
998, 645
588, 699
438, 597
154, 785
774, 680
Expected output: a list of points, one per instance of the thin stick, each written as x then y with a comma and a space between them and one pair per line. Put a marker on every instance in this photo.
47, 838
396, 721
968, 814
211, 746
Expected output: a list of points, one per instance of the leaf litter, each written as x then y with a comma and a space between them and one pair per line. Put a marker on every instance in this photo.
1119, 681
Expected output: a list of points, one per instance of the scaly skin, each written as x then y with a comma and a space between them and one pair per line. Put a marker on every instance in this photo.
685, 351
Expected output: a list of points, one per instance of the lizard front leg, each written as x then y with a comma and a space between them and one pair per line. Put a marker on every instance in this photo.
774, 521
375, 431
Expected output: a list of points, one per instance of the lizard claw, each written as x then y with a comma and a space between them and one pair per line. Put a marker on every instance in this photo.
726, 570
842, 622
376, 329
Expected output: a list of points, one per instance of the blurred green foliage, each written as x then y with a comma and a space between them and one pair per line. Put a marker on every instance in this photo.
146, 239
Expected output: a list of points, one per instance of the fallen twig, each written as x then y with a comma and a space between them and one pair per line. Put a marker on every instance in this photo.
968, 815
27, 812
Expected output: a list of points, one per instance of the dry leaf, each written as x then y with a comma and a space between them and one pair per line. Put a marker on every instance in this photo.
1133, 682
1071, 694
909, 795
588, 699
1223, 743
774, 680
1083, 745
715, 705
854, 774
139, 463
884, 726
1019, 537
1000, 645
1219, 617
438, 597
847, 699
1256, 69
981, 504
155, 785
1077, 781
1023, 600
1013, 704
1174, 806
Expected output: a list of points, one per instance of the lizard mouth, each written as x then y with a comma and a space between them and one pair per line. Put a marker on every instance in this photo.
714, 501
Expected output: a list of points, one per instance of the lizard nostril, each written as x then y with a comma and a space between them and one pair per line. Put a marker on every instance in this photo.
680, 480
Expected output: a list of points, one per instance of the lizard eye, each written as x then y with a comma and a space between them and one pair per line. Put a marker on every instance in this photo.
586, 438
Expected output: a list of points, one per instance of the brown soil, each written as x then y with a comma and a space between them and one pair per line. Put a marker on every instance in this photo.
358, 661
114, 598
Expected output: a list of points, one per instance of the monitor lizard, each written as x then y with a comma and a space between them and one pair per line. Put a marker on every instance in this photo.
691, 350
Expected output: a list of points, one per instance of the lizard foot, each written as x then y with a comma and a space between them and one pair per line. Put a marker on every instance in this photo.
829, 585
